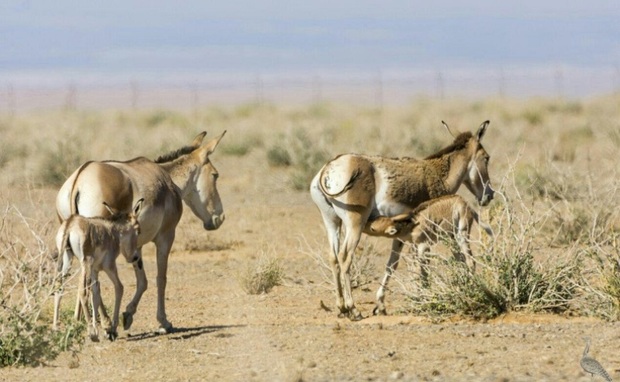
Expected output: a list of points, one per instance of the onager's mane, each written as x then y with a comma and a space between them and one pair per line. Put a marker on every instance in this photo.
175, 154
459, 143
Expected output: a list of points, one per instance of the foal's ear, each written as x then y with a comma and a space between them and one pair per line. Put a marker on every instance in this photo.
482, 129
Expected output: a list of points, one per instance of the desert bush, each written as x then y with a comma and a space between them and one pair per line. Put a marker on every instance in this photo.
26, 283
298, 151
60, 160
278, 156
240, 145
168, 117
262, 276
307, 159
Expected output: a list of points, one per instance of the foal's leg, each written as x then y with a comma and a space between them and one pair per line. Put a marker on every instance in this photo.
390, 267
111, 327
141, 285
84, 287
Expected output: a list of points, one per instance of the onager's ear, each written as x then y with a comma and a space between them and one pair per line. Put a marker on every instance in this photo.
209, 147
110, 209
137, 207
481, 130
449, 130
198, 140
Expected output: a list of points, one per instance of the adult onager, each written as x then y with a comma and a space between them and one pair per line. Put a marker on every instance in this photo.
353, 188
97, 242
186, 174
448, 215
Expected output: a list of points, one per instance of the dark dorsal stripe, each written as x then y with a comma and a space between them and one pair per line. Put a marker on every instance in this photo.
175, 154
460, 142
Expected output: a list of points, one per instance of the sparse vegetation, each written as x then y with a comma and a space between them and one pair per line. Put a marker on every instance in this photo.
557, 225
26, 285
262, 276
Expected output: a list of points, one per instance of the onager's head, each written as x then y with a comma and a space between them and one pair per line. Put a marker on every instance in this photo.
201, 194
477, 179
129, 229
396, 226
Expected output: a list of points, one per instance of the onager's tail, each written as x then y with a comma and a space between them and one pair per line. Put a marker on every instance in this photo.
346, 188
75, 193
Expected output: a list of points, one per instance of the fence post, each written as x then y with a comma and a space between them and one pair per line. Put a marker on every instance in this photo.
439, 85
134, 94
11, 100
71, 98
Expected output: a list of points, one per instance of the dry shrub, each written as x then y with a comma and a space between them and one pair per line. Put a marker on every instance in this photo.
27, 275
262, 276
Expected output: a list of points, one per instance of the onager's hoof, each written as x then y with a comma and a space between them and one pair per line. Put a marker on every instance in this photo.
379, 311
127, 320
94, 337
165, 328
354, 315
111, 334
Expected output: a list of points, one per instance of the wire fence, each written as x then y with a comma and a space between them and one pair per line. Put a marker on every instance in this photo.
375, 89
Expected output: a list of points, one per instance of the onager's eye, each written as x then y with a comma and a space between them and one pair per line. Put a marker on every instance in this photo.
215, 175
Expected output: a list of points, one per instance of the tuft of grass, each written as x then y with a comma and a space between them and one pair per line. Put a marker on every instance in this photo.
262, 276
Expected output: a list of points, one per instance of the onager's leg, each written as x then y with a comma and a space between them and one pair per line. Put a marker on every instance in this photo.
111, 327
332, 226
163, 244
345, 258
141, 285
392, 264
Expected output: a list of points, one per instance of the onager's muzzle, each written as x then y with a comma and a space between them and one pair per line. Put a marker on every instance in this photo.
215, 222
487, 195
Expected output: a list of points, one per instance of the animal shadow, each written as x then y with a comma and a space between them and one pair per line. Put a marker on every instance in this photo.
182, 333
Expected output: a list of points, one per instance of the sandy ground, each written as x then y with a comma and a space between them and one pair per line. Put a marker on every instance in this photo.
224, 334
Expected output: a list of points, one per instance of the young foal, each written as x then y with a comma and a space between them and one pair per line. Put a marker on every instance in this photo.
447, 215
97, 242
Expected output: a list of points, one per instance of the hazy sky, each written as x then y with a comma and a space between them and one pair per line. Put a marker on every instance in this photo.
166, 37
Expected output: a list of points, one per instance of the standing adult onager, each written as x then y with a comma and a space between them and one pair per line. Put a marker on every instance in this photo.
353, 188
186, 174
